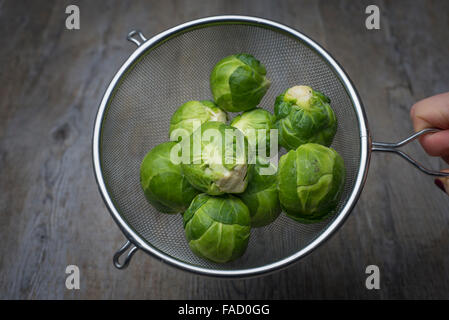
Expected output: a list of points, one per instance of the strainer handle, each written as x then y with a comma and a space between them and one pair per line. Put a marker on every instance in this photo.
132, 37
123, 249
394, 147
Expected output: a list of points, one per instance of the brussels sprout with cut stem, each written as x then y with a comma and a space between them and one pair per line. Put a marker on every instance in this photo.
251, 123
261, 195
218, 159
239, 82
217, 228
310, 182
194, 113
304, 115
163, 183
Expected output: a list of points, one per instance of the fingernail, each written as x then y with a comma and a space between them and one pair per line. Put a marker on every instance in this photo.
440, 184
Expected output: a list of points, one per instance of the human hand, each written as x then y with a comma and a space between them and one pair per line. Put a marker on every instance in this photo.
433, 112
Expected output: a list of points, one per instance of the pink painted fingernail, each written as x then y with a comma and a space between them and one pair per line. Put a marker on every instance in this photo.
440, 184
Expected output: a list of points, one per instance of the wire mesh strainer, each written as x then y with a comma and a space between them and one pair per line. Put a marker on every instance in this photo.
174, 67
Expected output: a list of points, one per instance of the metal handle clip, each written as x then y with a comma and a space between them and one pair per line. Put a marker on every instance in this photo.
393, 147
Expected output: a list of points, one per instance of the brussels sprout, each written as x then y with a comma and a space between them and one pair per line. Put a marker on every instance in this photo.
261, 195
310, 182
217, 228
238, 82
255, 119
217, 164
201, 111
163, 183
304, 115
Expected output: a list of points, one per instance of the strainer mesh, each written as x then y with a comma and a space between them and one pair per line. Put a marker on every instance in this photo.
137, 119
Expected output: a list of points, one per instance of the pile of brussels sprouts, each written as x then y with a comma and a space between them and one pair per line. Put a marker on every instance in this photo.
223, 193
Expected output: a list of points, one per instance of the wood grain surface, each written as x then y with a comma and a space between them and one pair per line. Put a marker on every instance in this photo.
52, 215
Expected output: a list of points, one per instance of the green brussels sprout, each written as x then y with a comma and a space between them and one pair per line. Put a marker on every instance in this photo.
261, 195
163, 183
250, 122
238, 82
195, 113
217, 228
310, 182
304, 115
217, 162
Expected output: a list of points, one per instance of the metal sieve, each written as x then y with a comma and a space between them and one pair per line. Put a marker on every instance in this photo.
174, 67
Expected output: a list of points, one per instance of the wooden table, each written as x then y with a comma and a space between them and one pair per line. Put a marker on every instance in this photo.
52, 215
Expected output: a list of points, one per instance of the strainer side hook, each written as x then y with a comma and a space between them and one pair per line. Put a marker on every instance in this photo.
121, 251
131, 37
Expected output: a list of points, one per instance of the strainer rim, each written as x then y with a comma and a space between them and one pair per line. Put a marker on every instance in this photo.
338, 220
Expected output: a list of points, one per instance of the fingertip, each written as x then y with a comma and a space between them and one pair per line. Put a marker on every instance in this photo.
432, 112
436, 144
